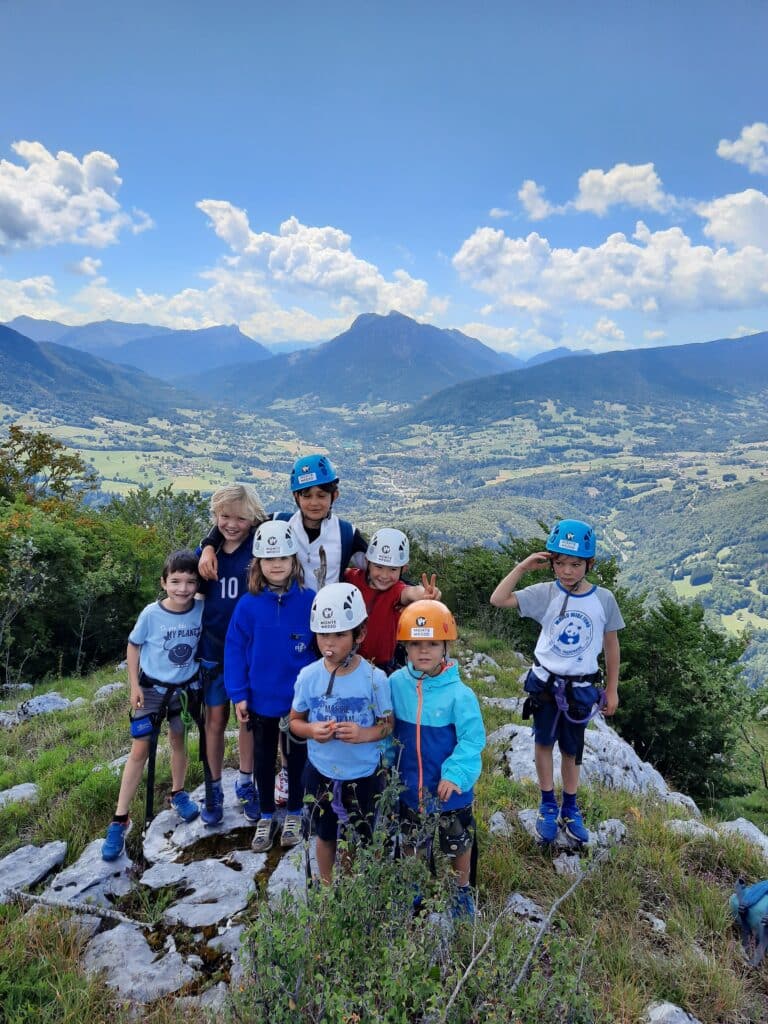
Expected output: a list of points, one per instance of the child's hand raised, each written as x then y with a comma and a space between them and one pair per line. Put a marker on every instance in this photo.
208, 564
324, 731
431, 591
538, 560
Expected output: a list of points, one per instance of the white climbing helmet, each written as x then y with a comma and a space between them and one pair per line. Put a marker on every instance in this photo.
274, 539
337, 608
389, 547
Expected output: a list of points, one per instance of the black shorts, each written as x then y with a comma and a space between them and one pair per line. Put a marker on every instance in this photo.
358, 804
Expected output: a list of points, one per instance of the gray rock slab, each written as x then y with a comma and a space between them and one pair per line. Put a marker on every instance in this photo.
500, 825
11, 688
106, 691
512, 704
218, 890
91, 879
29, 865
525, 908
611, 832
44, 704
742, 827
481, 661
228, 940
689, 827
668, 1013
168, 837
9, 719
16, 794
131, 968
567, 864
290, 874
656, 923
213, 1000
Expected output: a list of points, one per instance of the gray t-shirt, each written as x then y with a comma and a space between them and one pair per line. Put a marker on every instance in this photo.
570, 640
168, 641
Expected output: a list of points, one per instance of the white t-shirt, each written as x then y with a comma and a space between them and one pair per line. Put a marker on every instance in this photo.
570, 641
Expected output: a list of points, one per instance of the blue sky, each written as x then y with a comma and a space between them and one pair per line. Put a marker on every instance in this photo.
590, 174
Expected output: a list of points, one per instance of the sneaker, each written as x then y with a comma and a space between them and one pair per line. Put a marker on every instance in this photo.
114, 841
248, 799
281, 787
546, 822
185, 806
291, 830
264, 835
211, 814
573, 823
463, 904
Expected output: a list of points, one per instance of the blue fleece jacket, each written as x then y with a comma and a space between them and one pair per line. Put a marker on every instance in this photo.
441, 735
268, 643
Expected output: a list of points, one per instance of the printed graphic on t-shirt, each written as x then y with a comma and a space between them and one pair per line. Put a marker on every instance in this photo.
341, 709
179, 650
571, 634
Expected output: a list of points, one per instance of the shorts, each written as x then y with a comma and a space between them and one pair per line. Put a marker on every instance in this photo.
214, 691
549, 727
152, 701
455, 829
358, 797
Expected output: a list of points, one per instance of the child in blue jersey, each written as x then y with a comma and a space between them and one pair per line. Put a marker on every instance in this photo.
161, 666
236, 510
439, 729
268, 642
578, 621
342, 708
325, 543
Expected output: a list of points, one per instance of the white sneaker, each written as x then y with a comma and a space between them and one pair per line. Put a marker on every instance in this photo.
291, 830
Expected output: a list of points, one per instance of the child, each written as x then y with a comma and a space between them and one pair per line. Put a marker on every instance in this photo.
161, 665
342, 707
268, 642
578, 621
236, 510
385, 594
325, 543
441, 735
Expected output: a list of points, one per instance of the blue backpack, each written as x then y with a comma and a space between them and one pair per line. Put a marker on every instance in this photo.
749, 906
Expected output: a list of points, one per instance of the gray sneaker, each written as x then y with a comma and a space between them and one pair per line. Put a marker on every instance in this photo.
264, 835
291, 830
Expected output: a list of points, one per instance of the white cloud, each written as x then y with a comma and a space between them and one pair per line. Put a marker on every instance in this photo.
740, 219
750, 149
517, 342
498, 213
88, 266
609, 329
654, 335
316, 260
56, 199
636, 185
535, 205
658, 272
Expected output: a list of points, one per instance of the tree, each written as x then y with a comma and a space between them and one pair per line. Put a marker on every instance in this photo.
682, 695
179, 519
36, 465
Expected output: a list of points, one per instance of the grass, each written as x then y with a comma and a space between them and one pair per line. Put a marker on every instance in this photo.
600, 962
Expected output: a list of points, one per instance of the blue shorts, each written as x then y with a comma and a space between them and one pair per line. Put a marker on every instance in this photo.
214, 691
548, 728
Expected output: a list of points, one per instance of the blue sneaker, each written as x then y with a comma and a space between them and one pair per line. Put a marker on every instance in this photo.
248, 799
185, 806
114, 841
546, 822
211, 814
463, 905
573, 823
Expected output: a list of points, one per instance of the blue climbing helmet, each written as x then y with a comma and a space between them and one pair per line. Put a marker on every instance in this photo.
572, 537
312, 471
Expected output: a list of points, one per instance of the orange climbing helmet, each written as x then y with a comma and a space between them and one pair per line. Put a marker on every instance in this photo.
426, 620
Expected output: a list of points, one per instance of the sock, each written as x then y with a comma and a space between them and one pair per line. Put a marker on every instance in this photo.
296, 814
548, 797
266, 817
569, 801
245, 778
216, 782
121, 818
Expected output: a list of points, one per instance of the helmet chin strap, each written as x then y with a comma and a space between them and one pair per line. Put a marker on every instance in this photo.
344, 664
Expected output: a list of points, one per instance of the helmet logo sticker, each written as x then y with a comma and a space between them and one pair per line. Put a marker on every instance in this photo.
421, 621
327, 613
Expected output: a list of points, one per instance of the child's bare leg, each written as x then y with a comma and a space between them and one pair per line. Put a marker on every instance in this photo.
326, 858
178, 760
216, 719
570, 773
245, 749
544, 770
461, 866
134, 769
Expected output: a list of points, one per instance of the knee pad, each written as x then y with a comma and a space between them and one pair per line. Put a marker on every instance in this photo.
456, 832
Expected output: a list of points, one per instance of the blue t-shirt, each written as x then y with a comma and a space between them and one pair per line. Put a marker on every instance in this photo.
362, 696
168, 642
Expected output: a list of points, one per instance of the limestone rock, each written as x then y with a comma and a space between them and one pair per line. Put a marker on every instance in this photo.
9, 719
568, 864
500, 825
656, 923
28, 865
131, 968
105, 691
525, 908
290, 873
91, 879
687, 827
44, 704
218, 890
24, 791
668, 1013
611, 832
745, 828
